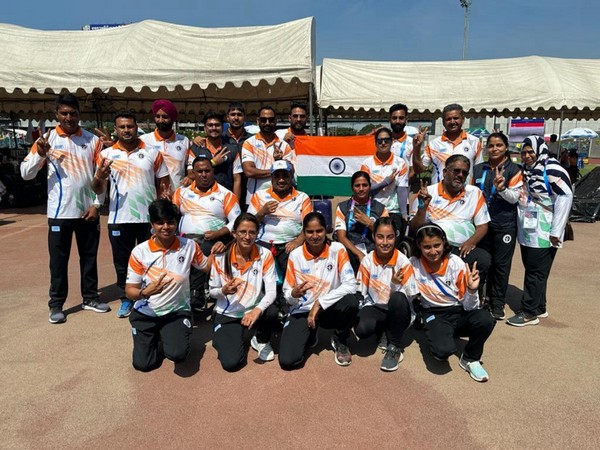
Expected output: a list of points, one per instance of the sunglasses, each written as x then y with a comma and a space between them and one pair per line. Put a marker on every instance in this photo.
459, 172
383, 140
266, 119
298, 116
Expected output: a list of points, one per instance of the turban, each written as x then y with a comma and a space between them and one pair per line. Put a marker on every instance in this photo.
167, 106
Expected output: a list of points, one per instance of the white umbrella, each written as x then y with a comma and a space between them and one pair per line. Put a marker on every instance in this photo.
410, 130
580, 133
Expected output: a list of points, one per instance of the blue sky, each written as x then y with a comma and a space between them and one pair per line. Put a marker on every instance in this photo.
400, 30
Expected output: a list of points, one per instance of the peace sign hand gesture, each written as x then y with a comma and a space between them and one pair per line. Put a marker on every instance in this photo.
473, 277
156, 287
103, 170
419, 137
499, 180
277, 152
43, 146
221, 156
424, 196
105, 137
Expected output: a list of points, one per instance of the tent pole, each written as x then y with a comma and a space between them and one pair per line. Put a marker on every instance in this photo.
310, 110
562, 116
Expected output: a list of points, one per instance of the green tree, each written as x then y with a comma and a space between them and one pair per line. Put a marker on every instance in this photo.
368, 128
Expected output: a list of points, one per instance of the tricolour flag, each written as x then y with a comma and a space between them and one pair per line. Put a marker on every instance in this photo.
325, 164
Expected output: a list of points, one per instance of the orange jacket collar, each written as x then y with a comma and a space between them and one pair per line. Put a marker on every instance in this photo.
383, 163
156, 246
140, 145
62, 133
287, 197
392, 262
442, 193
159, 138
254, 256
194, 188
260, 137
441, 270
458, 140
308, 256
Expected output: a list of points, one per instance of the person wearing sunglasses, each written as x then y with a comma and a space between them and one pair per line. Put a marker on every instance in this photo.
298, 118
389, 178
260, 151
459, 209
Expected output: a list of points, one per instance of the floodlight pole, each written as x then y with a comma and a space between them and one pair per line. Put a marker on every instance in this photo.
467, 5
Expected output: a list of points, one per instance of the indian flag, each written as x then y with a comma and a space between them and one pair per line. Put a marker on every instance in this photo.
324, 164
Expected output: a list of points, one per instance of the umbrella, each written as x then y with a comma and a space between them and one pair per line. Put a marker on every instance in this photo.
580, 133
410, 130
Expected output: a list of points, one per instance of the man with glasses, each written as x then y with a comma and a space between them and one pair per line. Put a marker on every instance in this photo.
298, 118
260, 152
223, 155
453, 141
459, 209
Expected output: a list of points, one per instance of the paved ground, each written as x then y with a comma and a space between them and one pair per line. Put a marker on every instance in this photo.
72, 385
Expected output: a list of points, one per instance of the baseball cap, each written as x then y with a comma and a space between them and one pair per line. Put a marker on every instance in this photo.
281, 165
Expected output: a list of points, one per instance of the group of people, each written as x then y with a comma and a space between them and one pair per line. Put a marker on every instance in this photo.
180, 235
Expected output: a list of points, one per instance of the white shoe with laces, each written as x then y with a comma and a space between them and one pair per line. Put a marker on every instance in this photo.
265, 351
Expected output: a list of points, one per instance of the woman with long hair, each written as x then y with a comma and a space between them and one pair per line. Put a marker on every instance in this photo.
321, 290
243, 283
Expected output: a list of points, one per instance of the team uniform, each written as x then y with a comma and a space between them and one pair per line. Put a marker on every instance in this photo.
500, 240
132, 189
356, 232
257, 290
71, 163
385, 306
166, 314
175, 151
255, 149
458, 216
201, 212
449, 309
333, 284
403, 148
441, 148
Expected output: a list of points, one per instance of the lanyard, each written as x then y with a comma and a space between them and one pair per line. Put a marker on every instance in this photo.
440, 286
351, 220
403, 147
482, 184
546, 183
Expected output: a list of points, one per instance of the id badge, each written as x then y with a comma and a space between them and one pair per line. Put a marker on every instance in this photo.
362, 247
530, 219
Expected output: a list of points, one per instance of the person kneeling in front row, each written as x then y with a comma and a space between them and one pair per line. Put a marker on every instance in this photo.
236, 281
450, 301
158, 282
321, 290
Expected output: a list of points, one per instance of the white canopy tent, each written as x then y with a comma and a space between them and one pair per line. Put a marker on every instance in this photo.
532, 86
131, 66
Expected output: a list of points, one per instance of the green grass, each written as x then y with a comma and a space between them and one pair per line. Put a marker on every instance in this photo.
588, 168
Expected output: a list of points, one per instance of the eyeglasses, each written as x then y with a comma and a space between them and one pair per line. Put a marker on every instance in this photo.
298, 116
459, 172
246, 233
266, 119
383, 141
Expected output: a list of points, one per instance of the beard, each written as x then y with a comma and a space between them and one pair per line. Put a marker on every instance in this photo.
164, 126
267, 128
398, 128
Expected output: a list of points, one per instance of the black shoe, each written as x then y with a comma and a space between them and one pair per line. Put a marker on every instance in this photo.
96, 306
313, 339
498, 313
56, 315
198, 301
392, 357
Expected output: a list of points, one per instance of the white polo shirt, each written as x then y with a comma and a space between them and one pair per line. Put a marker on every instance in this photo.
458, 216
255, 149
379, 170
175, 151
447, 286
375, 278
285, 224
441, 148
149, 260
259, 271
132, 179
403, 148
329, 273
206, 211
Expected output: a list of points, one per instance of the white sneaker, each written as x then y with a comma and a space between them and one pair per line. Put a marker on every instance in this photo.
265, 351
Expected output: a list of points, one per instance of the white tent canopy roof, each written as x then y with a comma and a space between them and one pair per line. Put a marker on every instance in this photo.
130, 66
532, 85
